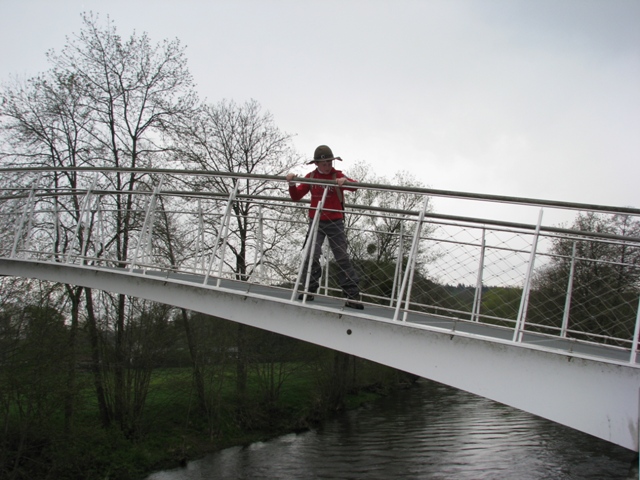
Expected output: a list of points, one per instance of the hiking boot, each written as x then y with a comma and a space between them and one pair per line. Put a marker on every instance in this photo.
354, 304
310, 297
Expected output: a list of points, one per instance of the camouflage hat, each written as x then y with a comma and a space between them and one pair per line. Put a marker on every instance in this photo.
323, 153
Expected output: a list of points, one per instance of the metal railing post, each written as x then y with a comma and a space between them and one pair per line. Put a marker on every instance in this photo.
325, 270
411, 262
309, 248
27, 211
567, 301
222, 231
87, 221
55, 254
199, 257
146, 232
636, 331
101, 232
398, 270
259, 248
477, 298
526, 288
86, 201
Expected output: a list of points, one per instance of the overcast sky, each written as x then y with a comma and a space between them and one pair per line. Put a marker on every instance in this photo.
510, 97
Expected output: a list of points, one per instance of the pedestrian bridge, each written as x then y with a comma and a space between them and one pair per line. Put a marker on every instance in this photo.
541, 315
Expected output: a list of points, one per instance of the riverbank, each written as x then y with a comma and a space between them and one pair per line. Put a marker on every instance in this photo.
193, 445
177, 430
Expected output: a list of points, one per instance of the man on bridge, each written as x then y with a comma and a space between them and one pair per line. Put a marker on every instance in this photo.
331, 224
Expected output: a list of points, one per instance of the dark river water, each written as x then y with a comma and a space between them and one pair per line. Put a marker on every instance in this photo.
427, 432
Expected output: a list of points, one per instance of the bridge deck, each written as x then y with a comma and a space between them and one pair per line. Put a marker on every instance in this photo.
385, 313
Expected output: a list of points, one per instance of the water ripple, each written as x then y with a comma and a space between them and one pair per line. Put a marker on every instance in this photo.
430, 432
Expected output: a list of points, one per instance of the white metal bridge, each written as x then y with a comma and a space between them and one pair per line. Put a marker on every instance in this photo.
515, 308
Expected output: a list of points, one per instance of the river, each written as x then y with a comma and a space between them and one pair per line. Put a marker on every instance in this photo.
428, 432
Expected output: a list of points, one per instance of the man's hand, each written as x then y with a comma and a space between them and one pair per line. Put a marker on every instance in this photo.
290, 176
341, 181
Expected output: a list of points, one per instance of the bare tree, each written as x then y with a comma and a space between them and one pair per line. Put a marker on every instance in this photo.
45, 123
233, 138
605, 277
106, 102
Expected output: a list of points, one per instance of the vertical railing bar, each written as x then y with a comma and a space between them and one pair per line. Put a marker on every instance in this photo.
313, 245
146, 232
411, 263
58, 228
27, 236
524, 303
410, 287
477, 299
148, 251
199, 256
148, 245
101, 230
27, 210
398, 270
309, 247
224, 224
567, 301
260, 261
258, 250
134, 259
85, 204
325, 270
87, 221
636, 331
225, 242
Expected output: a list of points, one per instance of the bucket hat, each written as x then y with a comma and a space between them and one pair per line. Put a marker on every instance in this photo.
323, 153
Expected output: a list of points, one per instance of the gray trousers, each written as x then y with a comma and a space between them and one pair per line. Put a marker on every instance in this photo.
333, 230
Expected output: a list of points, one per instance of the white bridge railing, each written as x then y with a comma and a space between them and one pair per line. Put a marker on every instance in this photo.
579, 284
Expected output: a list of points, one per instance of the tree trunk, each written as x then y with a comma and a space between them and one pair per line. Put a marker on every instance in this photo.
74, 294
340, 385
241, 366
96, 367
195, 361
119, 370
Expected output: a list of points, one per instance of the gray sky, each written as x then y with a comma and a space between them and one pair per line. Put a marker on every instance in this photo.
510, 97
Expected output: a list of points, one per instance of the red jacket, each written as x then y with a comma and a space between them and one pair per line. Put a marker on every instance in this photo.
332, 206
